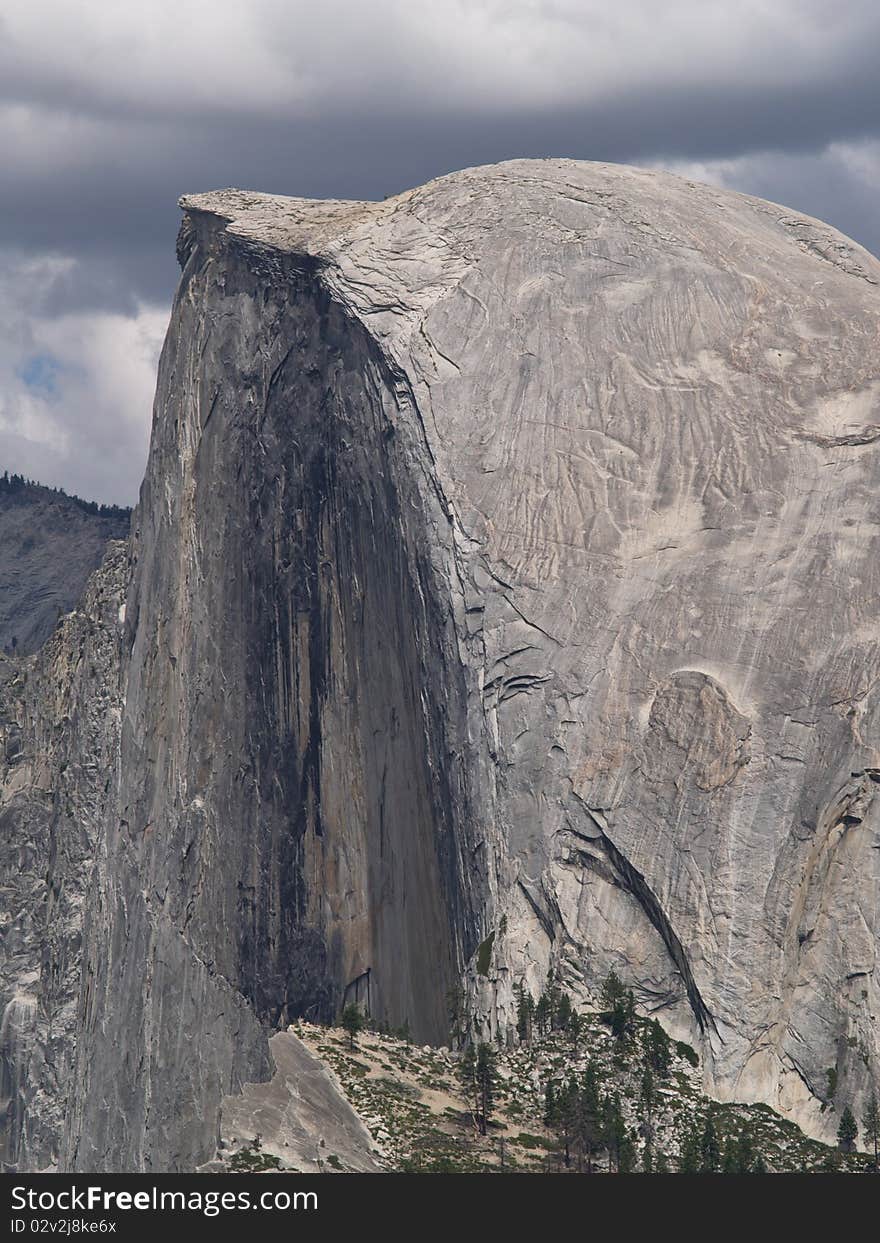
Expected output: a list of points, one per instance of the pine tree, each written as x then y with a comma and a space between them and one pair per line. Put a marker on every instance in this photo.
550, 1105
689, 1156
710, 1155
615, 1130
629, 1010
455, 1009
730, 1160
618, 1020
556, 1105
590, 1087
588, 1123
648, 1103
658, 1050
576, 1026
619, 1005
552, 995
487, 1083
563, 1012
626, 1156
848, 1131
525, 1014
542, 1014
745, 1150
352, 1022
871, 1127
467, 1073
566, 1117
622, 1012
613, 991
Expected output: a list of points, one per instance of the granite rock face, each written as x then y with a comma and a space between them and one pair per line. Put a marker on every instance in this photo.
59, 744
301, 1115
50, 544
505, 596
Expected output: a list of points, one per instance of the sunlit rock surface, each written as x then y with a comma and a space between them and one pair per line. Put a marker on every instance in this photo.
299, 1118
505, 596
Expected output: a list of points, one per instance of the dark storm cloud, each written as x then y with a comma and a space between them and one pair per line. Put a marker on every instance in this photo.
109, 113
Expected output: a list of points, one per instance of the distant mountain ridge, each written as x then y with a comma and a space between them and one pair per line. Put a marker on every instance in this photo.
50, 542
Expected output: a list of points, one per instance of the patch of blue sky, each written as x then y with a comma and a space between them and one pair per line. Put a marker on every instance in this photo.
40, 373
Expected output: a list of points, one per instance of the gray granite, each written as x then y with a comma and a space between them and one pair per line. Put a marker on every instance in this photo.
59, 743
49, 545
507, 562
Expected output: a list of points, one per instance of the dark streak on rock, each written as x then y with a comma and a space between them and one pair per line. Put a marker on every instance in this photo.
636, 884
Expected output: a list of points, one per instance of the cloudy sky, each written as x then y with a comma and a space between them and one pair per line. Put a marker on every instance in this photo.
108, 112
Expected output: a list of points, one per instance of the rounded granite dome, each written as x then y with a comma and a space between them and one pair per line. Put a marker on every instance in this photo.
629, 349
652, 408
505, 598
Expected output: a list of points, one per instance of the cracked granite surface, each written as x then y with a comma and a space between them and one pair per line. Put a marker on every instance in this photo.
507, 562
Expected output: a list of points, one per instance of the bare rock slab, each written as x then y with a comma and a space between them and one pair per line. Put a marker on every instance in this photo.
300, 1115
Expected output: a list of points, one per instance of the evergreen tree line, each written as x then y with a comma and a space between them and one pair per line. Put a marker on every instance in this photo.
553, 1012
703, 1151
588, 1123
479, 1078
848, 1130
354, 1020
13, 485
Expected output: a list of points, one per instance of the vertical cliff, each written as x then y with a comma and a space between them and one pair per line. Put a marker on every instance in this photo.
504, 596
59, 741
296, 817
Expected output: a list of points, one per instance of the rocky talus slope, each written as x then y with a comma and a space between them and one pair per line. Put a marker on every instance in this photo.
421, 1119
407, 1111
504, 597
